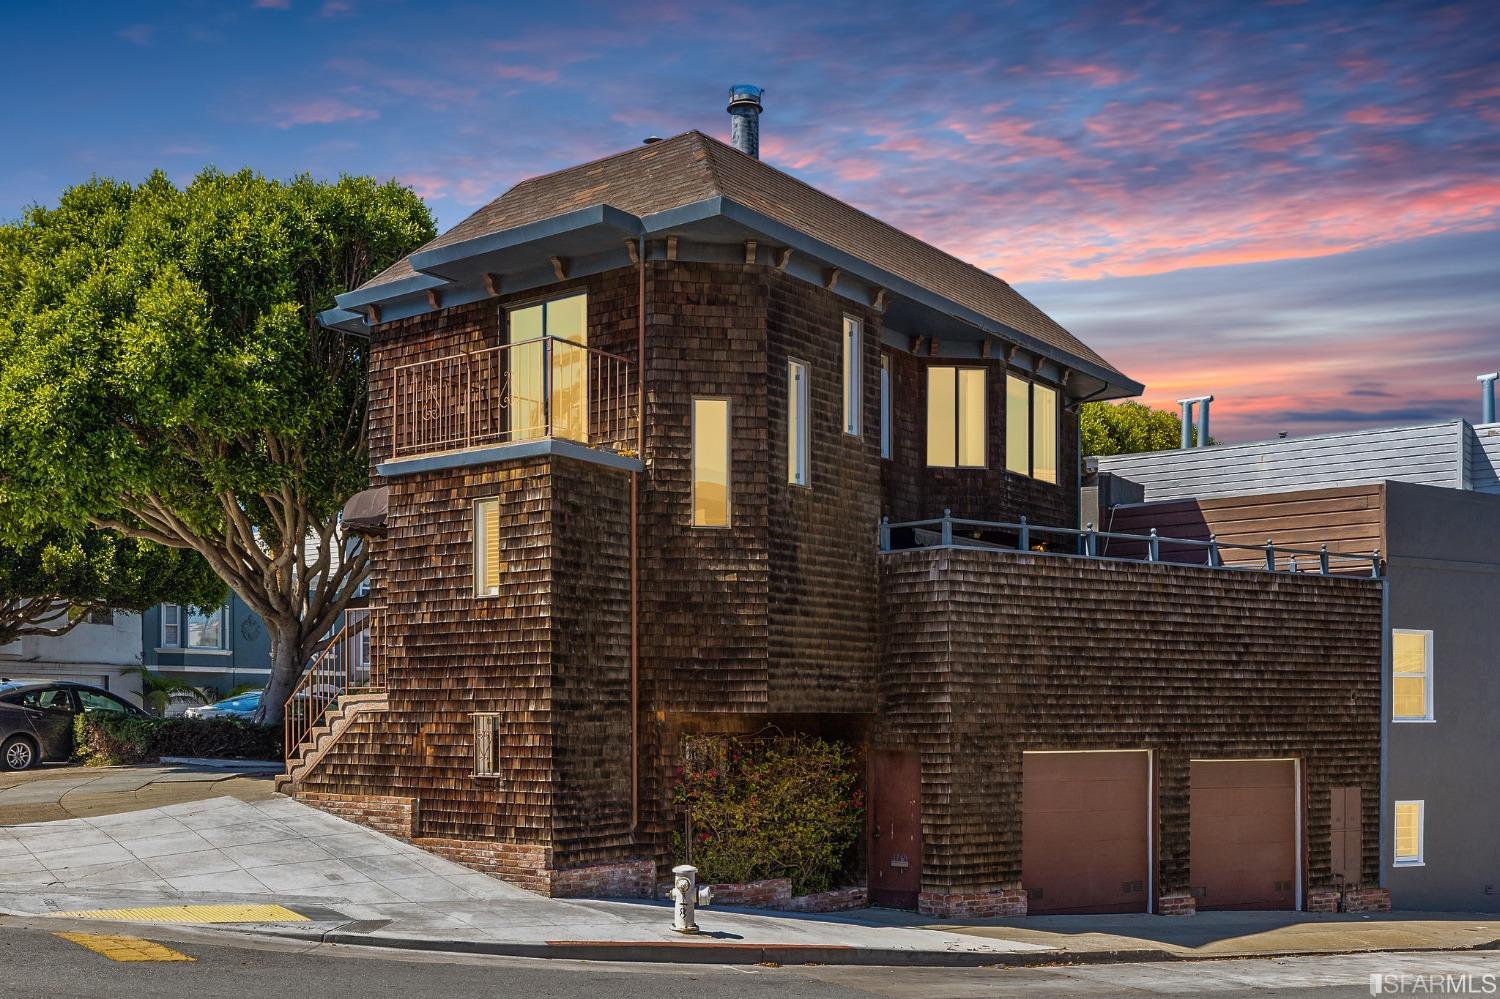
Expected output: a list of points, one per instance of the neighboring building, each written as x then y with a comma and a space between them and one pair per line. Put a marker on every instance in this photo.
221, 648
634, 427
101, 650
1428, 500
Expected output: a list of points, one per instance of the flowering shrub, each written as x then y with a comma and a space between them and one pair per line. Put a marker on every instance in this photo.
780, 807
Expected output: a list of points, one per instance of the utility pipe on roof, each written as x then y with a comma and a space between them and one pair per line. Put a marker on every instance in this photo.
1487, 396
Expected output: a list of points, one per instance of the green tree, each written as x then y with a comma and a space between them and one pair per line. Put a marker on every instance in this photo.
1129, 428
49, 586
163, 375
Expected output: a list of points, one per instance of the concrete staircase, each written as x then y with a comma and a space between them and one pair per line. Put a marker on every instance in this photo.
323, 736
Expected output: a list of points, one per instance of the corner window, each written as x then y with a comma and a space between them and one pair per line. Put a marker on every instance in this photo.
853, 353
711, 422
488, 561
797, 430
955, 417
885, 405
1030, 429
1411, 675
1409, 833
547, 364
487, 745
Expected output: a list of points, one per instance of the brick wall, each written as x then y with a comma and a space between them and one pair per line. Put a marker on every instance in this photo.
384, 813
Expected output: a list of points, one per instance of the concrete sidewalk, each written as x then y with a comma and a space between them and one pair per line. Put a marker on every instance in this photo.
348, 884
55, 793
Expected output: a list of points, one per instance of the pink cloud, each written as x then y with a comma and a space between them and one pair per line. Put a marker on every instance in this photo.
1097, 75
526, 74
1383, 116
319, 111
427, 185
137, 34
335, 8
272, 4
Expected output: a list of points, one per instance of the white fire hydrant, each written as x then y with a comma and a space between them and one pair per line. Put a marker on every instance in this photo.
687, 896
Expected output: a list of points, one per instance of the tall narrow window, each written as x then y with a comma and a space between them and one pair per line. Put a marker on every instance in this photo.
955, 417
488, 561
1409, 833
171, 626
853, 354
797, 429
487, 745
549, 397
1031, 429
1411, 675
710, 462
885, 405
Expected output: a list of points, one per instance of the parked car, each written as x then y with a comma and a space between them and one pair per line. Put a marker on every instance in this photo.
36, 719
241, 706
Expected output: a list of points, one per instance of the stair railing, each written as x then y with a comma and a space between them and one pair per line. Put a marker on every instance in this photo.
350, 661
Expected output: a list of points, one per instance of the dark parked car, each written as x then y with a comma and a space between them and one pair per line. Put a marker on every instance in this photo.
36, 718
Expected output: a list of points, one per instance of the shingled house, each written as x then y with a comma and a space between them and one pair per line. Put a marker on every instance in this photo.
673, 443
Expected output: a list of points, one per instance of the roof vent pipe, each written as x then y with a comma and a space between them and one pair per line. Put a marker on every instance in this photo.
1487, 396
744, 118
1187, 420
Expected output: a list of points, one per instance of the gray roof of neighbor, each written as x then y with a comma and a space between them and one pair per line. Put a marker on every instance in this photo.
693, 167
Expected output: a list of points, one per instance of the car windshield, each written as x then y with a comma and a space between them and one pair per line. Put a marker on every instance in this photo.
240, 703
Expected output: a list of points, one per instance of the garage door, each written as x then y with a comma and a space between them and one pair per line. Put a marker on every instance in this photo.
1085, 821
1243, 834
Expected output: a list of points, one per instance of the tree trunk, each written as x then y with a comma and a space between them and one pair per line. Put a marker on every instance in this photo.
286, 669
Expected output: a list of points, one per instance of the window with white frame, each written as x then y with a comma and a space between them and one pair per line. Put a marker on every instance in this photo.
853, 354
798, 433
190, 628
487, 745
1410, 833
171, 626
885, 405
489, 561
1411, 675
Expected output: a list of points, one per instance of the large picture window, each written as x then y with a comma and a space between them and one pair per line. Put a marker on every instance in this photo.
555, 393
711, 462
1031, 428
193, 628
955, 417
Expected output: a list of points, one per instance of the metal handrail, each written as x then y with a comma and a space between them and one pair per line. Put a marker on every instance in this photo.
352, 661
468, 400
1270, 557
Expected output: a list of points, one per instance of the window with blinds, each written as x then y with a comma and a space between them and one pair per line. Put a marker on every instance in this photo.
1411, 675
489, 560
1409, 833
487, 745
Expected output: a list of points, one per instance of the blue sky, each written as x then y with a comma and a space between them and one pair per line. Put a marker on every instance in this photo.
1295, 206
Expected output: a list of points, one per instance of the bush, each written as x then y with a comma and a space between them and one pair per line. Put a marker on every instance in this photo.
781, 807
104, 740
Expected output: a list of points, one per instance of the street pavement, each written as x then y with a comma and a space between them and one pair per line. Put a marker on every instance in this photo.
53, 793
37, 964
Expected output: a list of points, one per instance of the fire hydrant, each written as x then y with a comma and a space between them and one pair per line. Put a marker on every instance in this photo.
687, 896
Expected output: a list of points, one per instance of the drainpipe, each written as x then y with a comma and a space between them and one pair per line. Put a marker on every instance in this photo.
1487, 396
635, 602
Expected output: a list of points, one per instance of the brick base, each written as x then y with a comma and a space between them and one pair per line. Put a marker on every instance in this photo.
1177, 905
1322, 901
525, 865
836, 900
776, 893
1367, 900
976, 905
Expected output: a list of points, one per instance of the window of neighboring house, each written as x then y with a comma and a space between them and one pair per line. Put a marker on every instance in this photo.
955, 417
797, 430
558, 392
489, 562
487, 745
711, 427
885, 405
171, 626
101, 615
1409, 833
853, 354
205, 629
1031, 434
1411, 675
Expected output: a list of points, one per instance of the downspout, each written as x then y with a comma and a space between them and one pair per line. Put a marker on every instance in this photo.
635, 603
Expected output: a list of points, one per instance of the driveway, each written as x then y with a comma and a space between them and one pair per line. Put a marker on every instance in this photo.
55, 793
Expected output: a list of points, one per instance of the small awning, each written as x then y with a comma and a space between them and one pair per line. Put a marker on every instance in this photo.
365, 511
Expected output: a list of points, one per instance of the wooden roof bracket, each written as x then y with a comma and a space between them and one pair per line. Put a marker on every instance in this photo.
434, 300
560, 268
750, 248
671, 247
372, 314
783, 257
492, 285
831, 278
877, 299
632, 252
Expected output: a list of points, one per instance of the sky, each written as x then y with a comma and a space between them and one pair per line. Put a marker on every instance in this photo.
1294, 206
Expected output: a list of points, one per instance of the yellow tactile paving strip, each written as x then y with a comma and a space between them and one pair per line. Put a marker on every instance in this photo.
118, 948
244, 913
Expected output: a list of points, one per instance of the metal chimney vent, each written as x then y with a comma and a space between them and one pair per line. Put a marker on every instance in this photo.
1487, 396
744, 118
1201, 401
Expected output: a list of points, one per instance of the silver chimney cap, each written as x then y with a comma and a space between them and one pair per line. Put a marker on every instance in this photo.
744, 118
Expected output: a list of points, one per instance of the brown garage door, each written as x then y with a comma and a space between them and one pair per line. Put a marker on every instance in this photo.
1243, 834
1085, 820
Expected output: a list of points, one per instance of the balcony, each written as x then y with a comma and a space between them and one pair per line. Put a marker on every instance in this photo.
547, 389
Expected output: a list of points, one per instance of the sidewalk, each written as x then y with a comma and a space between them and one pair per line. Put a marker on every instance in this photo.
55, 793
347, 884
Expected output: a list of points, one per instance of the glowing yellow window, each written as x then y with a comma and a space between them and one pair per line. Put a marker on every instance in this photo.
955, 417
711, 462
1411, 675
1044, 433
488, 563
551, 396
1017, 425
1409, 833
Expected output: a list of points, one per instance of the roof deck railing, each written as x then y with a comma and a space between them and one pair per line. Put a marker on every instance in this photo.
951, 531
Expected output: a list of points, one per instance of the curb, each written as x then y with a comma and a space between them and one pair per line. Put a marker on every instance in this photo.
246, 766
